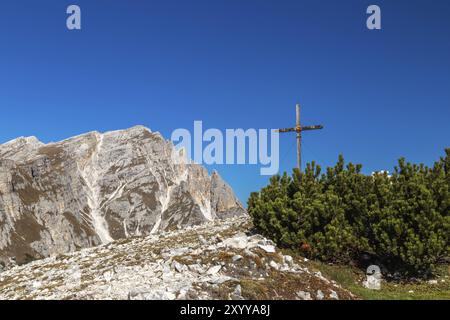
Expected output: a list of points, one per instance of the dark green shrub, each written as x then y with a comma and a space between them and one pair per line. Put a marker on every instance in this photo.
403, 219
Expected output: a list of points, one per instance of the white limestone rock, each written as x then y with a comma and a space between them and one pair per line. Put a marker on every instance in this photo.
94, 188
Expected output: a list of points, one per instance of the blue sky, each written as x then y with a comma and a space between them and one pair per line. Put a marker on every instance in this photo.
234, 64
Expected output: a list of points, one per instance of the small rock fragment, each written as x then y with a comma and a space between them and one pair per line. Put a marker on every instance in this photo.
236, 257
239, 241
237, 293
214, 270
334, 295
248, 253
320, 295
202, 239
304, 295
288, 260
274, 265
178, 266
267, 248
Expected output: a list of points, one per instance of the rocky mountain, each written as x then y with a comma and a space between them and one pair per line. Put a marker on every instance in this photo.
214, 260
98, 187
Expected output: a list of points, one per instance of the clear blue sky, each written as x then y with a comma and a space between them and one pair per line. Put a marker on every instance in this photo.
234, 64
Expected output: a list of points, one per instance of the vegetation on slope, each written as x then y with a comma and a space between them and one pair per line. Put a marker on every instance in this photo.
400, 222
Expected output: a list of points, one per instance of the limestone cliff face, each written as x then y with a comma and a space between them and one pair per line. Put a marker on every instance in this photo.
95, 188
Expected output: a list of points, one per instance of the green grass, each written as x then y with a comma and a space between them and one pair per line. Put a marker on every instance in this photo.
351, 279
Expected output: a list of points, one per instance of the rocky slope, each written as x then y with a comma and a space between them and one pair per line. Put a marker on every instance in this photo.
95, 188
216, 260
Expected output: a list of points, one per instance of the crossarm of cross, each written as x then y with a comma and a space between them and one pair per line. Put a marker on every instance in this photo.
288, 130
299, 129
317, 127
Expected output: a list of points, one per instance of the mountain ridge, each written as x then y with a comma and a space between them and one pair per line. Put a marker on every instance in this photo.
97, 187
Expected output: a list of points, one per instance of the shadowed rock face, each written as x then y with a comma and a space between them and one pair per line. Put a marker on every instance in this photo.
95, 188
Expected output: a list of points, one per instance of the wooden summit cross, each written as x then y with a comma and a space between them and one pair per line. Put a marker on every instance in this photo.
298, 128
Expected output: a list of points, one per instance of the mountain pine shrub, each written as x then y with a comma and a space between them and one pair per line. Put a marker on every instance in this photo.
402, 219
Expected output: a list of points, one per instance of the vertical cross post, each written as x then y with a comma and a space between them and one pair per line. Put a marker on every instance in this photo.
299, 139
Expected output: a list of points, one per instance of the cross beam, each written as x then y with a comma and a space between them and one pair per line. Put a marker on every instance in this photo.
299, 129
